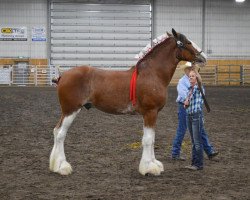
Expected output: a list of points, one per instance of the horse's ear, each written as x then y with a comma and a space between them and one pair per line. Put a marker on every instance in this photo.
174, 33
169, 34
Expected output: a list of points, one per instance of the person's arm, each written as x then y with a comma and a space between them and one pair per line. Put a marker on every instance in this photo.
199, 79
182, 89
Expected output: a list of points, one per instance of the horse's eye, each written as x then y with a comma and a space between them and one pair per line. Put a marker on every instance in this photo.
189, 43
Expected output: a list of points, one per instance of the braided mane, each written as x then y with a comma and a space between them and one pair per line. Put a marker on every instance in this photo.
148, 48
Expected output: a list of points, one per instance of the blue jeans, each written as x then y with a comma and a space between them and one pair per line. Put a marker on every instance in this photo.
181, 130
194, 124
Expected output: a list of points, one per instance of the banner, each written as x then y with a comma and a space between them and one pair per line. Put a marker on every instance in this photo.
38, 34
13, 33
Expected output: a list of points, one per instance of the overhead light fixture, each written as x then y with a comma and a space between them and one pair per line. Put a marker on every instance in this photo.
239, 1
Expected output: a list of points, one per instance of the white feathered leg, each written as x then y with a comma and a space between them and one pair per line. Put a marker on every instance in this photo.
148, 164
58, 161
157, 162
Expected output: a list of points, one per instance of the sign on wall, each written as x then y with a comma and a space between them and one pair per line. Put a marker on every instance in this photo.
38, 33
13, 33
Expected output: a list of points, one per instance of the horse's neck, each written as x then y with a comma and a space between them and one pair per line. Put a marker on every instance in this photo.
164, 62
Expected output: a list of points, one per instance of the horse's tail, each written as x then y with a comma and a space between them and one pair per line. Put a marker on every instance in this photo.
56, 80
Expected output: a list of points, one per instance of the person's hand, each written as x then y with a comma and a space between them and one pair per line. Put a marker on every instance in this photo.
199, 80
186, 103
197, 74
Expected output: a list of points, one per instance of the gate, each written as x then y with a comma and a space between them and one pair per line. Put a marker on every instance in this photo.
246, 74
27, 75
20, 74
5, 75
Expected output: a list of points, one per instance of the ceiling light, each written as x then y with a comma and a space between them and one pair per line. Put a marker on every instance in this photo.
239, 1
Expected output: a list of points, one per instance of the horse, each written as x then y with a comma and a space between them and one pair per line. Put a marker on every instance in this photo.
142, 89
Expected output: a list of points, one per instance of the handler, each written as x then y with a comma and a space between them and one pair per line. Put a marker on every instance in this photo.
182, 89
193, 106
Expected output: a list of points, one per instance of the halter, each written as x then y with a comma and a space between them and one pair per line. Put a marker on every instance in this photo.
181, 46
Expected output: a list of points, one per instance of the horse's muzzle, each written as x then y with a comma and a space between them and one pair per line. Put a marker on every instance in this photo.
201, 58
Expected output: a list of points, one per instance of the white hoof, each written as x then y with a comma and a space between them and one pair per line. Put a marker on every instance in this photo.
65, 168
61, 167
159, 164
150, 168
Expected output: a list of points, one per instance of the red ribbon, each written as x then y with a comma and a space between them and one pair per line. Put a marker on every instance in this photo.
133, 87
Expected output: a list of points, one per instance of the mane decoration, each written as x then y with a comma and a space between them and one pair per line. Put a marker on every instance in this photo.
148, 48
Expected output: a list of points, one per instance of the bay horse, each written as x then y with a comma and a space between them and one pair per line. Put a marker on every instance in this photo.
114, 92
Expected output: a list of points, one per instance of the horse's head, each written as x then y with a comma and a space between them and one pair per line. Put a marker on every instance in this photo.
188, 50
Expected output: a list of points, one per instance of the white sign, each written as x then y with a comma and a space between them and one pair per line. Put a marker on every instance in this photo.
9, 33
38, 34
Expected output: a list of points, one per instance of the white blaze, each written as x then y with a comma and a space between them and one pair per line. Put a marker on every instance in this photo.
198, 49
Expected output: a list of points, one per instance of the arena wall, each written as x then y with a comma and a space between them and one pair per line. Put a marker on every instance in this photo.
220, 27
28, 14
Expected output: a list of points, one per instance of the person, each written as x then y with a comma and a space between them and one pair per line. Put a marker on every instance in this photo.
182, 89
193, 105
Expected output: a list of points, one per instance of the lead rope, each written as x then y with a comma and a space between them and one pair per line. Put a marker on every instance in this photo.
202, 94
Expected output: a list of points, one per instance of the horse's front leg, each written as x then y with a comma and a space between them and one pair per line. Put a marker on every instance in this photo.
148, 164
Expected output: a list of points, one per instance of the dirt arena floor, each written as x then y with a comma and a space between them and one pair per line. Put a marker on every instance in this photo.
104, 150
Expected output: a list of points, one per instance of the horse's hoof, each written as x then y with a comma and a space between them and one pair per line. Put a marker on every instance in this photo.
65, 168
150, 168
159, 164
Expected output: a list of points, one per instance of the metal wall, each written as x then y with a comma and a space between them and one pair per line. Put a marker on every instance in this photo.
23, 13
98, 33
220, 27
183, 16
227, 29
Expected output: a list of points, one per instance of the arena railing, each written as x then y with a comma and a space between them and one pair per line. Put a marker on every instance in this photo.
246, 74
220, 75
41, 75
27, 75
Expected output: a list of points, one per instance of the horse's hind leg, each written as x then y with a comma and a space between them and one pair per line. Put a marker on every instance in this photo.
58, 161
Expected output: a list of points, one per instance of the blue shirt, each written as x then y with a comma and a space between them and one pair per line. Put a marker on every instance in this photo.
183, 88
195, 102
